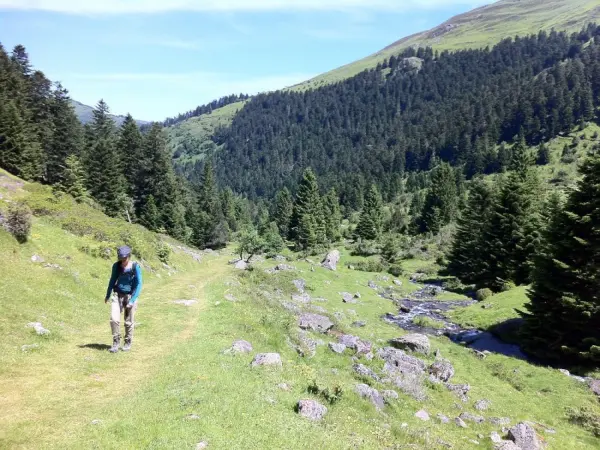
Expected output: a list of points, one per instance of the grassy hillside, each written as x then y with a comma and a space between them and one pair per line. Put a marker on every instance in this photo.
190, 140
178, 388
479, 28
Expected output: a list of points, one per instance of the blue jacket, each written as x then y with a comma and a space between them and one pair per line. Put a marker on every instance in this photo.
125, 282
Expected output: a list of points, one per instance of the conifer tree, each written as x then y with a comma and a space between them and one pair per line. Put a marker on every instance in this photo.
72, 180
370, 222
467, 259
543, 155
333, 215
149, 215
563, 315
441, 201
307, 225
284, 208
130, 147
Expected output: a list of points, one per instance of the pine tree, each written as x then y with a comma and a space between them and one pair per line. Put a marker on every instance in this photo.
149, 216
543, 155
467, 258
333, 215
513, 230
209, 227
370, 222
284, 208
72, 180
130, 147
563, 316
307, 225
441, 201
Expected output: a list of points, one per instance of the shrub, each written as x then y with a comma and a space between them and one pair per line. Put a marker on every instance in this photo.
163, 251
330, 394
428, 322
395, 270
365, 248
19, 222
483, 294
586, 418
370, 265
99, 251
507, 286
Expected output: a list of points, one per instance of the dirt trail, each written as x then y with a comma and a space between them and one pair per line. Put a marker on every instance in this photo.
54, 390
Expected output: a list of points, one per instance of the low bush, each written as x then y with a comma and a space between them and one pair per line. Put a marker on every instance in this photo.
586, 418
396, 270
370, 265
163, 251
331, 394
483, 294
19, 222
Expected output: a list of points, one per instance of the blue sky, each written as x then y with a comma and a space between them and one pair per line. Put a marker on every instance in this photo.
158, 58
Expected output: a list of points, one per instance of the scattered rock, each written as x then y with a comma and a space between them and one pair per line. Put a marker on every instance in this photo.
311, 409
348, 298
495, 437
364, 371
331, 260
565, 372
267, 359
482, 405
474, 442
201, 445
283, 268
280, 258
468, 417
499, 421
318, 309
398, 282
230, 298
461, 390
372, 285
241, 265
506, 445
398, 361
39, 329
461, 423
241, 347
185, 302
26, 348
524, 436
339, 316
595, 386
96, 422
443, 419
390, 395
52, 266
337, 348
405, 309
37, 259
423, 415
359, 324
291, 307
302, 298
415, 342
442, 370
315, 322
192, 417
307, 347
357, 295
366, 391
283, 386
300, 285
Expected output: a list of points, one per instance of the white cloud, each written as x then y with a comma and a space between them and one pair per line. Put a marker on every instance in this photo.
157, 6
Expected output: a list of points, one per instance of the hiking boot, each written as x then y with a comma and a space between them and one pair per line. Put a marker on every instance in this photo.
115, 346
127, 346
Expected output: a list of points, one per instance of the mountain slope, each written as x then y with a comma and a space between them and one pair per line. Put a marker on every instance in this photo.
479, 28
85, 114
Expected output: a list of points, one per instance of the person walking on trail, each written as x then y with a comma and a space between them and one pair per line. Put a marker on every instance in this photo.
123, 291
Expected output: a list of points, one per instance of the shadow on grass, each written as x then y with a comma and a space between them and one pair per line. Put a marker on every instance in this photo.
100, 347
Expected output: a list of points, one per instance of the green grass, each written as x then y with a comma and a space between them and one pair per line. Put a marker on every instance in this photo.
428, 322
51, 395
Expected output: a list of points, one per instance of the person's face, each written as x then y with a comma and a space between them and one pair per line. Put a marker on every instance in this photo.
124, 261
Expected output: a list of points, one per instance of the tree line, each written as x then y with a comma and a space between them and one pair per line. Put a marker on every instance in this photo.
206, 109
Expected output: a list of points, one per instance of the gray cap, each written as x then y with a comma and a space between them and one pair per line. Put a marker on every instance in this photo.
123, 252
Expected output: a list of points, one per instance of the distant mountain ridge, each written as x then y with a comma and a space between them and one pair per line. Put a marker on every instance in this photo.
85, 114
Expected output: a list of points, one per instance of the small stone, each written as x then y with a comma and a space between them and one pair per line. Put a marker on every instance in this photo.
26, 348
461, 423
565, 372
474, 442
372, 285
398, 282
240, 265
331, 260
415, 342
39, 329
506, 445
595, 386
359, 324
443, 419
267, 359
201, 445
357, 295
495, 437
230, 298
482, 405
364, 371
471, 418
366, 391
405, 309
315, 322
192, 417
423, 415
348, 298
300, 285
37, 259
302, 298
311, 409
337, 348
241, 347
404, 425
461, 390
442, 370
283, 386
524, 436
499, 421
186, 303
96, 422
390, 395
480, 436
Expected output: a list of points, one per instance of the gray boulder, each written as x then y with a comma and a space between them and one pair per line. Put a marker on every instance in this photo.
460, 390
267, 359
364, 371
482, 405
241, 265
241, 347
348, 298
499, 421
398, 361
366, 391
595, 386
495, 437
348, 340
415, 342
390, 395
443, 419
185, 302
468, 417
359, 324
311, 409
372, 285
442, 370
337, 348
37, 259
300, 285
315, 322
461, 423
302, 298
331, 260
423, 415
524, 436
506, 445
39, 329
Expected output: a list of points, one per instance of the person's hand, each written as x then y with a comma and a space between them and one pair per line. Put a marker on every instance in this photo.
129, 305
106, 300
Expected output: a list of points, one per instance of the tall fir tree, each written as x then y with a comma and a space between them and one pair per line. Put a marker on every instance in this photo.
307, 225
333, 215
283, 210
467, 259
441, 201
72, 179
130, 147
563, 315
370, 222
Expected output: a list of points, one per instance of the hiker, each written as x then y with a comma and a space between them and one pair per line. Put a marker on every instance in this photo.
123, 291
